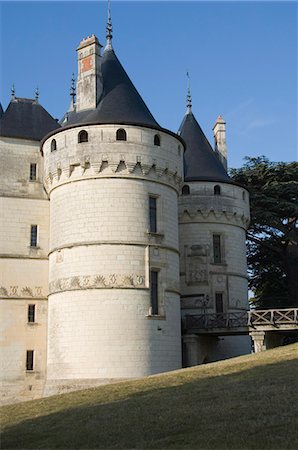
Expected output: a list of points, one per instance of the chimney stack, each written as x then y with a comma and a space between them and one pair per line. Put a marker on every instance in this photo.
89, 83
220, 146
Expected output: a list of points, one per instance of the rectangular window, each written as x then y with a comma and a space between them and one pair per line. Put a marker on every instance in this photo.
216, 248
33, 236
31, 313
33, 172
219, 307
154, 291
30, 360
152, 214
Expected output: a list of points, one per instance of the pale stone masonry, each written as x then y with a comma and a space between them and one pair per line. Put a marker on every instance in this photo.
113, 229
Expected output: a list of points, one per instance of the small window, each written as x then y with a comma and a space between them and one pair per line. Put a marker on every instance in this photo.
82, 136
121, 135
33, 236
53, 145
157, 140
154, 291
31, 313
33, 172
152, 215
243, 195
185, 190
30, 360
219, 307
217, 190
217, 248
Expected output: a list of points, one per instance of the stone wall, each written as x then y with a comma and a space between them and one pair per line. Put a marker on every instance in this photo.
24, 270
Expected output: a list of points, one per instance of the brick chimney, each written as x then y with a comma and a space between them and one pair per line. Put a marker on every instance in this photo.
89, 83
220, 146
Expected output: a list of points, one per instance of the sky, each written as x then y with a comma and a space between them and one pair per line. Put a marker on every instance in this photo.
241, 58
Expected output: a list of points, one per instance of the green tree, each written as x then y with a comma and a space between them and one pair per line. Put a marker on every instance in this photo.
273, 234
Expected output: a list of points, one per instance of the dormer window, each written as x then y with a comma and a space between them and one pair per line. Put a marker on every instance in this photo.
217, 190
157, 140
121, 135
185, 190
82, 136
53, 145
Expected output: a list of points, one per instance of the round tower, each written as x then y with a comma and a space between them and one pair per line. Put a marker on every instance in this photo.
213, 218
113, 177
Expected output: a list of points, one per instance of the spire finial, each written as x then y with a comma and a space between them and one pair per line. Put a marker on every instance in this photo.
13, 92
73, 91
36, 92
109, 28
188, 104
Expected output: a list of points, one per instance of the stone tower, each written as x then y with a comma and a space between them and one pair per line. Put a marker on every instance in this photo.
113, 176
213, 217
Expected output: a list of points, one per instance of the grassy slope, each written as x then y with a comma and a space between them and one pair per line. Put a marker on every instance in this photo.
249, 402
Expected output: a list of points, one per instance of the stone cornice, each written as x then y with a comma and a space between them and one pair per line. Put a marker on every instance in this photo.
236, 217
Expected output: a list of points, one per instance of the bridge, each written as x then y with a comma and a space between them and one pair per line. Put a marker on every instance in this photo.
266, 327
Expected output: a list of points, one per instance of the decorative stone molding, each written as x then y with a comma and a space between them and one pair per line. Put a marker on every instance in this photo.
112, 168
97, 282
22, 292
237, 217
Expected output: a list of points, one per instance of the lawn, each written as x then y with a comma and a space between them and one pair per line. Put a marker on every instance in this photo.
250, 402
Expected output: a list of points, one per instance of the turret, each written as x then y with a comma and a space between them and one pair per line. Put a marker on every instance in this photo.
213, 217
113, 176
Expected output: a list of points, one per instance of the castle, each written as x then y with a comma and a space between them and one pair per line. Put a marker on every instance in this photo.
113, 231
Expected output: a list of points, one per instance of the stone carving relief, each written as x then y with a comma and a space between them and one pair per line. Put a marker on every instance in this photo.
196, 268
97, 282
19, 291
201, 301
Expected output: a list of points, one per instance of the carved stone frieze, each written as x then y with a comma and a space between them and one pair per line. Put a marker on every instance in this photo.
21, 291
97, 282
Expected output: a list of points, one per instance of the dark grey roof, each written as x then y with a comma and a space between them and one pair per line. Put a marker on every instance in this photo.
200, 160
27, 119
120, 102
1, 111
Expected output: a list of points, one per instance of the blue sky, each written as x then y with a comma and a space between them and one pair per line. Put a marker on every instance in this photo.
241, 56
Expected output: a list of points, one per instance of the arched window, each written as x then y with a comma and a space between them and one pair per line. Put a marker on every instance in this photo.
217, 190
82, 136
121, 135
157, 140
53, 145
185, 190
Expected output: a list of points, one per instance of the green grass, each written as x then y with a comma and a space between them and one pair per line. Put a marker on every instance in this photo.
250, 402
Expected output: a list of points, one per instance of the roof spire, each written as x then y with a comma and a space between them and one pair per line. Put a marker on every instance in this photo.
36, 92
188, 104
13, 92
73, 91
109, 29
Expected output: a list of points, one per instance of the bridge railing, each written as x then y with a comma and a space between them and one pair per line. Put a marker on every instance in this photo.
272, 317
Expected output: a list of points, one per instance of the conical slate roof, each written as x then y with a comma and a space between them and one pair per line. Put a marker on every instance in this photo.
120, 102
200, 160
1, 111
26, 119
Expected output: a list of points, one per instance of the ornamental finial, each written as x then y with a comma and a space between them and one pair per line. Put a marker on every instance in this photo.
13, 92
73, 90
36, 92
109, 29
188, 104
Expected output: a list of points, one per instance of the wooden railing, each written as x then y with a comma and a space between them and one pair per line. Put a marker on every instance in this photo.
272, 317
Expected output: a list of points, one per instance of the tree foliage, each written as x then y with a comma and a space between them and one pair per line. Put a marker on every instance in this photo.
273, 233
